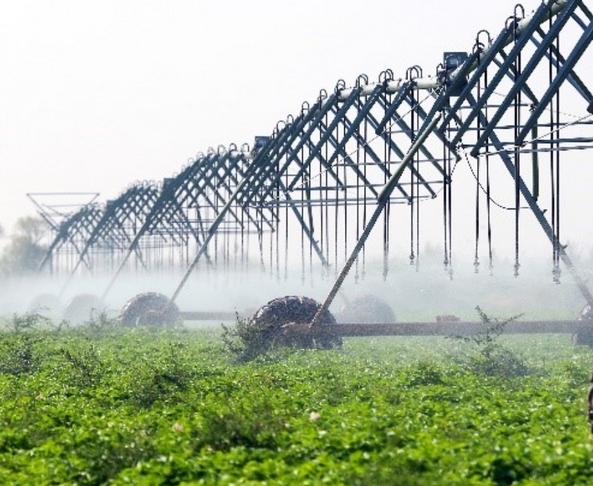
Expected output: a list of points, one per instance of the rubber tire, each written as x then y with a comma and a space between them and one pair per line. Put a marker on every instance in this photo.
149, 308
273, 316
82, 308
584, 334
586, 313
47, 305
367, 309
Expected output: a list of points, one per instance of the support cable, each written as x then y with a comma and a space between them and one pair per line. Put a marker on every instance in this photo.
517, 128
449, 168
382, 201
416, 183
446, 189
357, 206
450, 211
303, 252
386, 213
338, 194
477, 209
365, 160
412, 187
555, 160
345, 205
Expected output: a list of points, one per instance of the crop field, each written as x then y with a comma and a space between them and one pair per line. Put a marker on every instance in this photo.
99, 404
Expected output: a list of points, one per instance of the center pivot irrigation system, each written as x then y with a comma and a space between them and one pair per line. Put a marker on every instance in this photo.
352, 171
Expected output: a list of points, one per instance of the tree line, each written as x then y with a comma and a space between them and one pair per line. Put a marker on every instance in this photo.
23, 249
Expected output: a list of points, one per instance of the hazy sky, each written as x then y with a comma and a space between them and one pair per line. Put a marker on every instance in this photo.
97, 95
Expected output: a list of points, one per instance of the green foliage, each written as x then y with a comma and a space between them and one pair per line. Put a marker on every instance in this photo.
163, 377
489, 356
241, 423
262, 341
29, 321
247, 340
19, 351
109, 405
84, 366
100, 324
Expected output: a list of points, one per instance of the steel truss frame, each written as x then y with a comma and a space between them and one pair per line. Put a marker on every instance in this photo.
319, 184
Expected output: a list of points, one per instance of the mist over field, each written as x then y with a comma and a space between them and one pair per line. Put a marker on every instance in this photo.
414, 292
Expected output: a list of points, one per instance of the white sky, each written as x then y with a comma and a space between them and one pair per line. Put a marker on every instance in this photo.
97, 95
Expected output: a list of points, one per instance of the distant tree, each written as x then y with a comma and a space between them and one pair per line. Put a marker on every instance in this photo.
24, 250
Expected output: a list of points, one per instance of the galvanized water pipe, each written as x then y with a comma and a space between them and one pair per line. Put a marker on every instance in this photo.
433, 82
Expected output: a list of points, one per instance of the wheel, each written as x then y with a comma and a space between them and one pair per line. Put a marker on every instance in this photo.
47, 305
285, 322
584, 334
367, 309
149, 308
82, 308
586, 313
